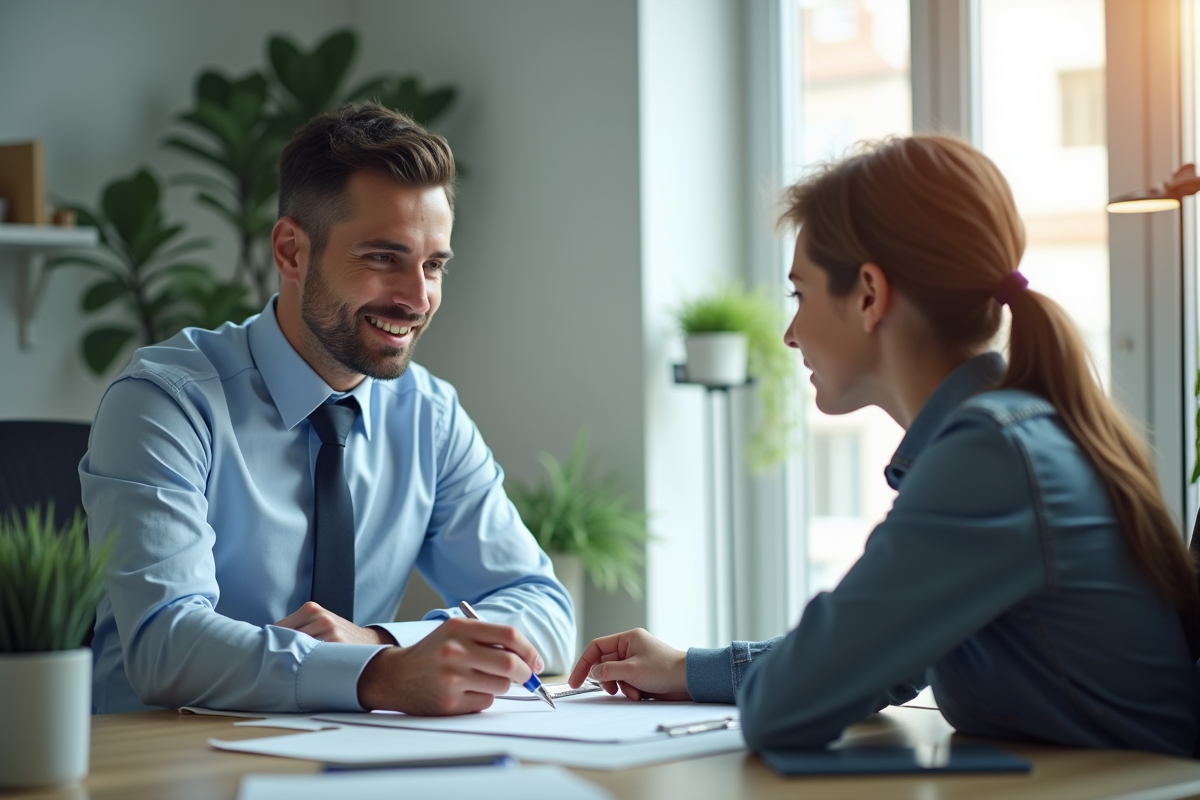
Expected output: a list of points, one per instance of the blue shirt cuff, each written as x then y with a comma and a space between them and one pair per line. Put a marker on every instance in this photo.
710, 674
328, 678
407, 634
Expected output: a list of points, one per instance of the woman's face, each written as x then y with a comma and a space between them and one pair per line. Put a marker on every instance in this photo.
829, 333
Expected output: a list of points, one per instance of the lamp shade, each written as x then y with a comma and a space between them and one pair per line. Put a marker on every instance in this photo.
1159, 198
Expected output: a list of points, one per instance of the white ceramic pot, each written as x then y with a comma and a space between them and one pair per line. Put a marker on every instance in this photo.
569, 571
46, 703
717, 359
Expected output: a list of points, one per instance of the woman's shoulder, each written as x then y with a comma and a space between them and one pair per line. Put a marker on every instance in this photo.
1010, 419
1005, 407
1017, 438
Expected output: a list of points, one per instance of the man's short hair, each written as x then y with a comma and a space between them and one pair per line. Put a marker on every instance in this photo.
317, 163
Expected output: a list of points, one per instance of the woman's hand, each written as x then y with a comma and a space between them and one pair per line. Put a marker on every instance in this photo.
637, 663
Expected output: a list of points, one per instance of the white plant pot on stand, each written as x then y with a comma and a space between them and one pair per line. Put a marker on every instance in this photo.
717, 359
46, 702
569, 571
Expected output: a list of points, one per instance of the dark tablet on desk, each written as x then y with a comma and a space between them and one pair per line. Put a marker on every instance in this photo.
891, 761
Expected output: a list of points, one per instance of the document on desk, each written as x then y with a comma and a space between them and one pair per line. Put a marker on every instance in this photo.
492, 783
610, 719
355, 745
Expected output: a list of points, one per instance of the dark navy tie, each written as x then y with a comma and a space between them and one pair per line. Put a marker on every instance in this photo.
333, 511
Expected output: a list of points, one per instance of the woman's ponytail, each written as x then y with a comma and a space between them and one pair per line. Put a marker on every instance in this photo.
1047, 356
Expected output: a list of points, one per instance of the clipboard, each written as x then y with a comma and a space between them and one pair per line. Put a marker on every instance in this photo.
963, 758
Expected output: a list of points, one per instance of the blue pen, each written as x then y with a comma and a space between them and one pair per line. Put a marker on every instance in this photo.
533, 684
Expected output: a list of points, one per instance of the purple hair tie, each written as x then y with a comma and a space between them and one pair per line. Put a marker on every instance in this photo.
1013, 283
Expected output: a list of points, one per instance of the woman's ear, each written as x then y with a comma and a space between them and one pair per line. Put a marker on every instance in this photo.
874, 296
290, 248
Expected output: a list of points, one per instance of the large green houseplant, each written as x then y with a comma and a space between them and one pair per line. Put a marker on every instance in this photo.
579, 518
237, 128
731, 311
145, 266
50, 584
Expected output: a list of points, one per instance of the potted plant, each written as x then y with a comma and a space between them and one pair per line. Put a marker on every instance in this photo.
731, 334
585, 525
237, 127
143, 266
49, 587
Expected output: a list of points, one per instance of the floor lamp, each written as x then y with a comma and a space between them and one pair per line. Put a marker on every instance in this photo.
1169, 197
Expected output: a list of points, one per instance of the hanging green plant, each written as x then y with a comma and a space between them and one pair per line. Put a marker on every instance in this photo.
772, 365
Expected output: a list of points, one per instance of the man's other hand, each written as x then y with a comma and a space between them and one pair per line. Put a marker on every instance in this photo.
327, 626
457, 669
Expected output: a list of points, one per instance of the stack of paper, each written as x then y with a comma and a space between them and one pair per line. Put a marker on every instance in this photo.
587, 731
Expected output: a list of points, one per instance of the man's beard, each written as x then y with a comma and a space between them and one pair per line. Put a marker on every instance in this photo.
336, 328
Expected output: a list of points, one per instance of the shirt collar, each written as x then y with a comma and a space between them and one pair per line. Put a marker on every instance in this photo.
295, 388
969, 379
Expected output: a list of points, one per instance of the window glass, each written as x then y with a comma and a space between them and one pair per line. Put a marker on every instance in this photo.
854, 84
1041, 110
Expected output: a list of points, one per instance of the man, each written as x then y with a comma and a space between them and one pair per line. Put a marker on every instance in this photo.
269, 486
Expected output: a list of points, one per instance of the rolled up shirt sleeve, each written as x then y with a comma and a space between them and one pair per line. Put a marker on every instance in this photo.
959, 547
143, 483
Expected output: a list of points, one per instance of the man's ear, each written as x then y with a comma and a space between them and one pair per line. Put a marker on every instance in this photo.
875, 296
290, 247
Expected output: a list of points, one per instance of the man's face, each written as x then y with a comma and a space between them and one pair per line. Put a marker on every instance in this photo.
371, 294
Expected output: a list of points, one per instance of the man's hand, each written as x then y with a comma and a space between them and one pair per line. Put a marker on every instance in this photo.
320, 624
637, 663
457, 669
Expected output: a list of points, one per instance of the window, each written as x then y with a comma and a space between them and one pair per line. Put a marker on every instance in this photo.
1040, 95
854, 84
1081, 107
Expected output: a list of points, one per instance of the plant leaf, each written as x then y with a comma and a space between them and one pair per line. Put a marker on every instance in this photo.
102, 293
102, 345
131, 203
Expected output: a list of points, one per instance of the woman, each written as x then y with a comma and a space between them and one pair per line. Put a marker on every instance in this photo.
1029, 569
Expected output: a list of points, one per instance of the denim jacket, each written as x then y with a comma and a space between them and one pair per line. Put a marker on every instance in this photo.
1000, 578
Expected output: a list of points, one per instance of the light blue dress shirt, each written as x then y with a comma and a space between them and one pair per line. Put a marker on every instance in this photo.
201, 461
1001, 578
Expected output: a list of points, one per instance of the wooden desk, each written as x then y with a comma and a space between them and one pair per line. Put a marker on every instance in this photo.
164, 755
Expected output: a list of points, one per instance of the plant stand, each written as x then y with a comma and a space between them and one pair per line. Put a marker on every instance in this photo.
722, 544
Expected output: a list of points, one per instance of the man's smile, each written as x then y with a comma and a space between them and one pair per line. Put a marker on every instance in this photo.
395, 333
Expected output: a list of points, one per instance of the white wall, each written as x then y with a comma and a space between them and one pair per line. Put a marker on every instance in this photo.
692, 237
99, 83
541, 328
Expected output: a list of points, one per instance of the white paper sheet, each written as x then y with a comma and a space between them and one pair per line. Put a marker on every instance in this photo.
466, 783
265, 719
585, 718
364, 745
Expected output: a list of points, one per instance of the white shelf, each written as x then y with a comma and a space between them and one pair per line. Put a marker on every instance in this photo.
45, 237
31, 244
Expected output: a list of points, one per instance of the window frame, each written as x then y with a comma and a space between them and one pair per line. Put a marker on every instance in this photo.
1149, 134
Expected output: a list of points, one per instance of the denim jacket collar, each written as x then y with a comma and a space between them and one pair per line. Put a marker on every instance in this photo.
977, 375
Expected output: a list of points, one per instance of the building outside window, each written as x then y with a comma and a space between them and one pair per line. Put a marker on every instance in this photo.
854, 85
1039, 98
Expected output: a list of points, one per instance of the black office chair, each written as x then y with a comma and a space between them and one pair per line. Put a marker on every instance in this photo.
39, 464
